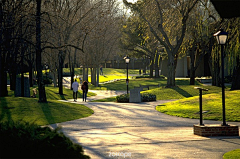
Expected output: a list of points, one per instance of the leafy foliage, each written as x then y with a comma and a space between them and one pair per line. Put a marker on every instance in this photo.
24, 140
145, 97
123, 98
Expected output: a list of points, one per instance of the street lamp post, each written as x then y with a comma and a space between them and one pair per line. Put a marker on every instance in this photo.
127, 60
221, 37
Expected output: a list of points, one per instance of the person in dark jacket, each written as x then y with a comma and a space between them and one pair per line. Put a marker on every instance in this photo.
84, 88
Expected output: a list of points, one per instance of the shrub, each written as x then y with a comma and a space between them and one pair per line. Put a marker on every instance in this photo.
24, 140
147, 97
123, 98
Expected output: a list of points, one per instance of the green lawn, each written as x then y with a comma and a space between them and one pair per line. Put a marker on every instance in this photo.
29, 110
121, 85
106, 71
234, 154
182, 91
212, 106
188, 105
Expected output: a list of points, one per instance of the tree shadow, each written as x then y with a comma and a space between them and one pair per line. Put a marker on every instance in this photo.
5, 109
182, 92
47, 113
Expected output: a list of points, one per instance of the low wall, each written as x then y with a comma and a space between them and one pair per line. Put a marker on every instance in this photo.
216, 130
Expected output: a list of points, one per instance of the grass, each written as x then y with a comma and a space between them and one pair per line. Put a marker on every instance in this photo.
188, 105
52, 93
29, 110
121, 85
181, 91
111, 99
106, 71
212, 105
105, 78
234, 154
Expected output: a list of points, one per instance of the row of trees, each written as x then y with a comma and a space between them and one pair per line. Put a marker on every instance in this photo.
181, 27
35, 33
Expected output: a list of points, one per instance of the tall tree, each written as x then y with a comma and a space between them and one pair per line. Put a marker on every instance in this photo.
233, 51
3, 77
41, 86
168, 22
139, 41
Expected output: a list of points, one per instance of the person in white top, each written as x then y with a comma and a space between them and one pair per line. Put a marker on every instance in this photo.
75, 86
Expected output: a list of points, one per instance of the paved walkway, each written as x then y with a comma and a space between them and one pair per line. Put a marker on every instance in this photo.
138, 131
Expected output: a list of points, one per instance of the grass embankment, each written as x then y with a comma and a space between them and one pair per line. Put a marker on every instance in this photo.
29, 110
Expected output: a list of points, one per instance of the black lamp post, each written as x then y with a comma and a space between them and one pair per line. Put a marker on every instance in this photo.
221, 37
127, 60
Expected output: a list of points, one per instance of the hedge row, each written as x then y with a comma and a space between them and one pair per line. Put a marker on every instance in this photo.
24, 140
145, 97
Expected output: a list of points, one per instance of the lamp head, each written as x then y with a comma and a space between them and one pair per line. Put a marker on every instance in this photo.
127, 59
221, 37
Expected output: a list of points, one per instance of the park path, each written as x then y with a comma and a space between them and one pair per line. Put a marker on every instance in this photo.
137, 130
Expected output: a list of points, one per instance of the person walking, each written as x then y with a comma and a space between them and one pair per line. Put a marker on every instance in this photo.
84, 88
75, 86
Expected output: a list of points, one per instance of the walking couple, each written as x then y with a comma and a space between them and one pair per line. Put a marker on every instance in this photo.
84, 88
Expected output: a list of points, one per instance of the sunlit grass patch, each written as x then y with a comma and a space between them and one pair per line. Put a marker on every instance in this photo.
212, 107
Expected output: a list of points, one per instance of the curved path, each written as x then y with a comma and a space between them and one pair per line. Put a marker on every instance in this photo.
138, 131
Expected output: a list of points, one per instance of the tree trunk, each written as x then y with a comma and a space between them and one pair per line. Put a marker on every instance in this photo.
156, 67
31, 75
97, 82
3, 79
171, 72
84, 73
192, 76
151, 68
54, 75
13, 77
160, 65
60, 73
22, 84
41, 86
3, 75
192, 66
93, 76
72, 76
216, 74
236, 78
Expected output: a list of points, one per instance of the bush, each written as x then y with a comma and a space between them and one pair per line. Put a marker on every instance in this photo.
123, 98
24, 140
145, 97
